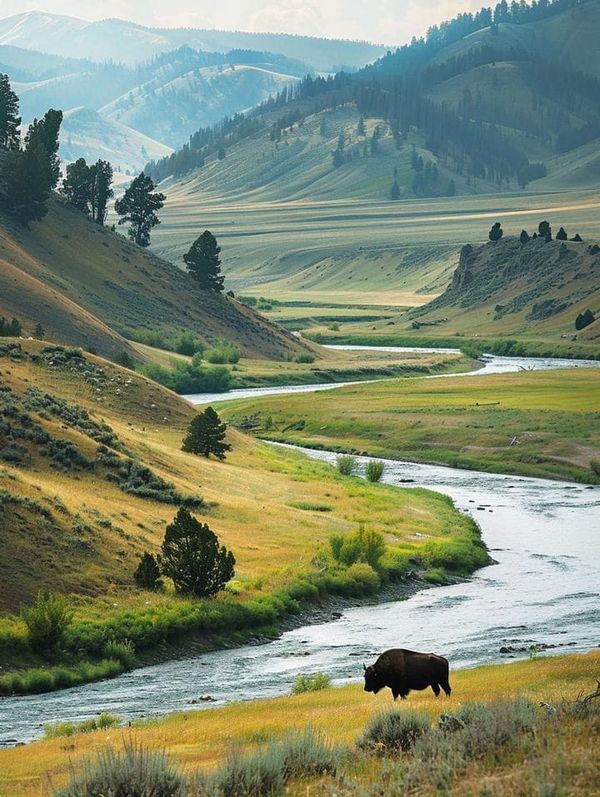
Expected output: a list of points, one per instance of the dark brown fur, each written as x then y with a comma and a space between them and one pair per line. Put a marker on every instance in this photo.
402, 670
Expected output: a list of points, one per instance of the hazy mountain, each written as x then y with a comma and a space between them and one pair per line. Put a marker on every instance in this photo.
172, 106
87, 134
127, 42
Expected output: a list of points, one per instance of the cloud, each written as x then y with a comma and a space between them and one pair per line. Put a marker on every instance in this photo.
296, 16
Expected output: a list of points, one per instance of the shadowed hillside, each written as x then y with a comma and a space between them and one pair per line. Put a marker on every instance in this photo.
68, 273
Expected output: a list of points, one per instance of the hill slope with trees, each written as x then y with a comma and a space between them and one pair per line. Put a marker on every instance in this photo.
89, 286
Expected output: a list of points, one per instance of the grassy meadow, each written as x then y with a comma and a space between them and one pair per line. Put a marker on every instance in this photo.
67, 528
467, 422
558, 758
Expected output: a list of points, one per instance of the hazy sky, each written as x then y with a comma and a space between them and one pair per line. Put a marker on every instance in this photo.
385, 21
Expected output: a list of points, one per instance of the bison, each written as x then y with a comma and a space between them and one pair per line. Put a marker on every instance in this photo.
403, 670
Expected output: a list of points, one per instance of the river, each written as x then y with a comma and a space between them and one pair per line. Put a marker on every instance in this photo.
543, 591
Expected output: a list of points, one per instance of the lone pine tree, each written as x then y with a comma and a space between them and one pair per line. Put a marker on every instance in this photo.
192, 557
206, 435
203, 263
147, 573
496, 232
10, 120
138, 206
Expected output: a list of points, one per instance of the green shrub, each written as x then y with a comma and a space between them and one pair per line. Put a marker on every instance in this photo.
102, 722
367, 545
132, 772
364, 575
435, 575
187, 344
47, 620
125, 359
488, 726
374, 470
346, 464
392, 731
223, 353
304, 357
147, 573
310, 683
123, 652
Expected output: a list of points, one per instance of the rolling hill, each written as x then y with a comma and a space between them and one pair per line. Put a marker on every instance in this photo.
89, 286
532, 289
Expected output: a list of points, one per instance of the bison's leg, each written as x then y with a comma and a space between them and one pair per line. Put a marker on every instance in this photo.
436, 689
446, 687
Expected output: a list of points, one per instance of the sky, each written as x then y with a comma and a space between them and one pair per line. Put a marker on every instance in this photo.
381, 21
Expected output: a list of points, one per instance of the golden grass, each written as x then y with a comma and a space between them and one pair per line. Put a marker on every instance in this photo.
252, 494
200, 738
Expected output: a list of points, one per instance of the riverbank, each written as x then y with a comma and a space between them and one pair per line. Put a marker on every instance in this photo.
562, 751
470, 346
533, 423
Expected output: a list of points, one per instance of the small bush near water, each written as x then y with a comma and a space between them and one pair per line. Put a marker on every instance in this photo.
103, 721
47, 620
310, 683
374, 470
346, 464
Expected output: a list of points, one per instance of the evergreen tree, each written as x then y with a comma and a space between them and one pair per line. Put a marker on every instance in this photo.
395, 191
138, 206
203, 262
42, 139
545, 230
101, 191
9, 116
24, 190
39, 332
206, 435
577, 237
561, 235
76, 185
524, 237
147, 573
496, 232
451, 189
192, 557
360, 127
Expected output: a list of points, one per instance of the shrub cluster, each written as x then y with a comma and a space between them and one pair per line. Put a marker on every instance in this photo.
102, 722
223, 353
136, 479
189, 377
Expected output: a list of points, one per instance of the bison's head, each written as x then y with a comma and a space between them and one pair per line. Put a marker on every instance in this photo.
373, 682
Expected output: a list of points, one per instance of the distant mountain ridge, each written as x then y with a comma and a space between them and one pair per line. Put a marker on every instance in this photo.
130, 43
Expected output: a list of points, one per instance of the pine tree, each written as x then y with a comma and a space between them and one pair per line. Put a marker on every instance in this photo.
545, 230
39, 332
524, 237
206, 435
496, 232
192, 557
147, 573
76, 185
395, 191
203, 262
360, 127
42, 139
138, 206
101, 191
561, 235
24, 190
9, 116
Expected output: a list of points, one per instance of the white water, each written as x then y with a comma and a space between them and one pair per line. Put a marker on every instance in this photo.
544, 590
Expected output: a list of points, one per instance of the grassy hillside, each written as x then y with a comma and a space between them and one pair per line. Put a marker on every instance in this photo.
67, 273
91, 472
552, 414
558, 756
536, 289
